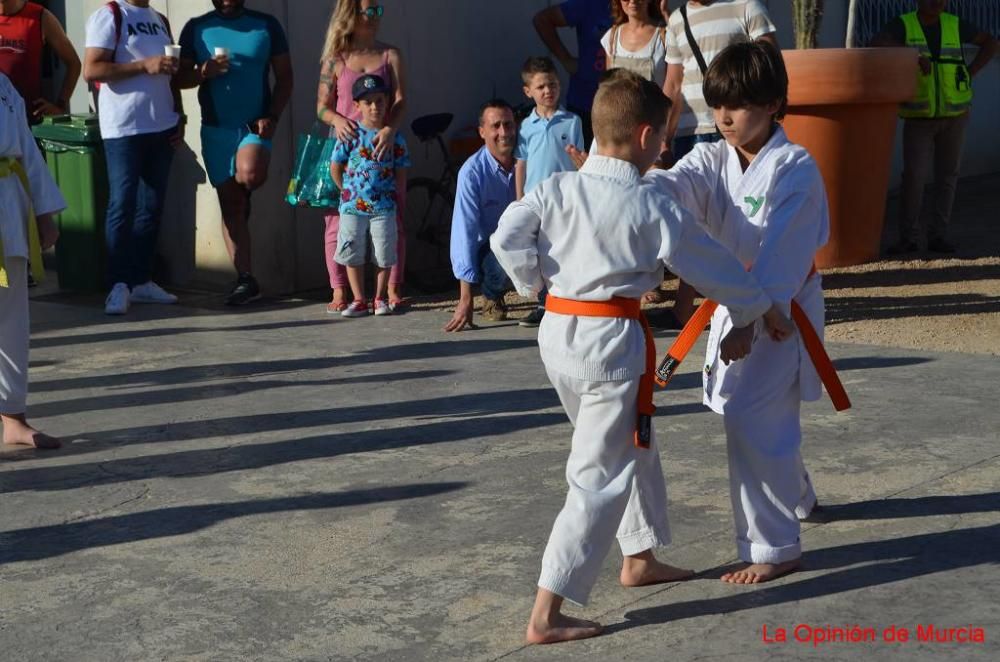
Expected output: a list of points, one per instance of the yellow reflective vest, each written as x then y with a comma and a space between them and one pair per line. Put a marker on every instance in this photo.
947, 90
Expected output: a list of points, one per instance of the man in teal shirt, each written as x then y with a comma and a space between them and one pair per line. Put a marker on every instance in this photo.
230, 54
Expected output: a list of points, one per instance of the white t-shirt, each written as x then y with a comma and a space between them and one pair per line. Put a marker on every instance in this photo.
654, 50
140, 104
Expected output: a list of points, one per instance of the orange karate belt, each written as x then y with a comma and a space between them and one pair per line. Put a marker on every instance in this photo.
814, 347
628, 309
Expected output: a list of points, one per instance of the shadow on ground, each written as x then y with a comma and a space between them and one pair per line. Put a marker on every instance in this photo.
48, 541
864, 564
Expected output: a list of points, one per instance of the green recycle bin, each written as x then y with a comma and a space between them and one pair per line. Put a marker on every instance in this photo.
74, 153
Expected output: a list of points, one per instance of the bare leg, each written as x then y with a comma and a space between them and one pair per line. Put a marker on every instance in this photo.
758, 573
548, 625
356, 277
643, 569
381, 283
684, 302
234, 200
17, 432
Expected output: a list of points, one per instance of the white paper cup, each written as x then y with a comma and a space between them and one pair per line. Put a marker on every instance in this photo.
221, 51
172, 50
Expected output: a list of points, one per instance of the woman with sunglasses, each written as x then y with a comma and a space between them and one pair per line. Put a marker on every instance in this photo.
352, 51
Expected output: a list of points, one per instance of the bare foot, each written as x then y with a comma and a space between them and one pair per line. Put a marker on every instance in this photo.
757, 573
17, 432
337, 304
560, 627
644, 570
655, 295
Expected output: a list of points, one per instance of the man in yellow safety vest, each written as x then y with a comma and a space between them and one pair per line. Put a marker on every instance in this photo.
935, 119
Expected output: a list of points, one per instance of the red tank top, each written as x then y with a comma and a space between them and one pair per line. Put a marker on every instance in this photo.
21, 50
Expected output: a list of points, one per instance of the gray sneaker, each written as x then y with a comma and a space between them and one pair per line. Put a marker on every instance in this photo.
494, 310
533, 319
118, 300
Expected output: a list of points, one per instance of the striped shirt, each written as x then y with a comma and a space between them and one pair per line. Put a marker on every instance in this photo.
714, 25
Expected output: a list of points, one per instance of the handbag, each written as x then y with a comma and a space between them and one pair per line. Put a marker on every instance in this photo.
311, 184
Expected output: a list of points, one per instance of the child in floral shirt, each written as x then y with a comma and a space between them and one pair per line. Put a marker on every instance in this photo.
368, 196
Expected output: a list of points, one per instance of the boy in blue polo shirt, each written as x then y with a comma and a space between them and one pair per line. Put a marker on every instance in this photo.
542, 140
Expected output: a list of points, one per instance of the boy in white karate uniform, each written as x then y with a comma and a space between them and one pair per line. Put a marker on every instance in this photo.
763, 198
25, 185
598, 239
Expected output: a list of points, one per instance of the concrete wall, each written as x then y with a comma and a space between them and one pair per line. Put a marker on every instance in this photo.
458, 54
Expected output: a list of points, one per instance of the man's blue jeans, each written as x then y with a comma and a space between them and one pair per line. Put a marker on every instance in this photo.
495, 282
138, 172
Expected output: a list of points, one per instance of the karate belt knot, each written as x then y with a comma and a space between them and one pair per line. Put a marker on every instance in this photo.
11, 167
814, 347
620, 307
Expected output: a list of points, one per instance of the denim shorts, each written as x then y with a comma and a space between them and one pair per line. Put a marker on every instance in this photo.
352, 240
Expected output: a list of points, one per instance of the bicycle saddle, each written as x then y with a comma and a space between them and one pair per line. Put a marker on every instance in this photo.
429, 126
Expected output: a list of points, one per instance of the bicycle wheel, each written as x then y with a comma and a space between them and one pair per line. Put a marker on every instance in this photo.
428, 236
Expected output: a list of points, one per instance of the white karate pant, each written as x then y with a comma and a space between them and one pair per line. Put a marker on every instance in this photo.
615, 489
769, 486
14, 338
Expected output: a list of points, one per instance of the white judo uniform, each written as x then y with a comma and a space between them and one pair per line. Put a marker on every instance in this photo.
589, 236
16, 142
773, 217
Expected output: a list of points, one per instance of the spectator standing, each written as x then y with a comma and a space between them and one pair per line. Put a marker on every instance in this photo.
542, 141
369, 187
934, 122
25, 29
485, 187
140, 124
714, 24
230, 54
637, 42
27, 194
590, 19
637, 39
351, 51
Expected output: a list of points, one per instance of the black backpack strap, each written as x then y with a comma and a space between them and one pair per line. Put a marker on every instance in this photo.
691, 41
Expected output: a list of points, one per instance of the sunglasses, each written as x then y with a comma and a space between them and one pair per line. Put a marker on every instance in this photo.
372, 12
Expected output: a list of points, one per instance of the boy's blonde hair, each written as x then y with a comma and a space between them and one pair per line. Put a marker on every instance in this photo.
624, 102
338, 34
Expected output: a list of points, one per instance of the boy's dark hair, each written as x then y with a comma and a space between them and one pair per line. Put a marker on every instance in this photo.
747, 74
493, 103
624, 102
537, 65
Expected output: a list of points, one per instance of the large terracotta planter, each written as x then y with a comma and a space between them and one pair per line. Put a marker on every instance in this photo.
842, 108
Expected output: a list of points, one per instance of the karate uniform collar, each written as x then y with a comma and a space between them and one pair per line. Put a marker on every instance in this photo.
611, 168
777, 139
534, 117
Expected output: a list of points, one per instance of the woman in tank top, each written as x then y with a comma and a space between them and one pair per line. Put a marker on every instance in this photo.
351, 51
637, 42
637, 39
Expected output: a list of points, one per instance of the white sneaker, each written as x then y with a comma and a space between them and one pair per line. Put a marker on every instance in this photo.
382, 307
356, 309
117, 301
151, 293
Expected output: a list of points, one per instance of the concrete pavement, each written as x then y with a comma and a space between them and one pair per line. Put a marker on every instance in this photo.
274, 484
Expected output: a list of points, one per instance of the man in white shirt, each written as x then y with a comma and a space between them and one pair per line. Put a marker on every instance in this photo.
138, 109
